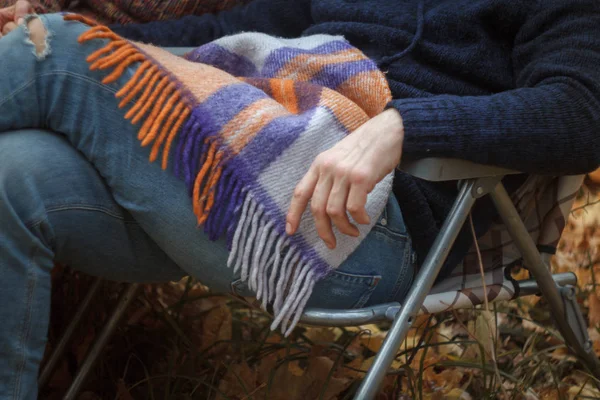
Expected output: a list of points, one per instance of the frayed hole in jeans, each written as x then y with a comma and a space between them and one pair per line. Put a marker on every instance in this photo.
37, 36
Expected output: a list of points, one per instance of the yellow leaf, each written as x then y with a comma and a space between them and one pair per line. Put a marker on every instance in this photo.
295, 368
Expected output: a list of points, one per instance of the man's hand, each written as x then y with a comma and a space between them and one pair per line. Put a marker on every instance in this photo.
10, 17
340, 178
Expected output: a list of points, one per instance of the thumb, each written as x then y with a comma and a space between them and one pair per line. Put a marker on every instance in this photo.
22, 8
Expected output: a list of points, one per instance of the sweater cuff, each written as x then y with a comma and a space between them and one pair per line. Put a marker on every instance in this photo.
432, 126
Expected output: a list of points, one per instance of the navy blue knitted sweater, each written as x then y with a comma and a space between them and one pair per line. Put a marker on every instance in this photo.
514, 83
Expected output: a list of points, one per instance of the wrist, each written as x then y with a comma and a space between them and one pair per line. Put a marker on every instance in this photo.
394, 121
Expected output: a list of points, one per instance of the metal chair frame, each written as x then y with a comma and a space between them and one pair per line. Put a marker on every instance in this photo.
475, 182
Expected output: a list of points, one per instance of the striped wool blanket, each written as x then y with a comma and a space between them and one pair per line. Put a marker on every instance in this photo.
240, 120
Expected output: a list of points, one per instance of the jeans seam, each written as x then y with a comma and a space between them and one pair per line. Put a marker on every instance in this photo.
406, 260
354, 278
367, 294
59, 72
83, 207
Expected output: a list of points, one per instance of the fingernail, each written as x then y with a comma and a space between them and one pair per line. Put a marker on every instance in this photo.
330, 245
288, 228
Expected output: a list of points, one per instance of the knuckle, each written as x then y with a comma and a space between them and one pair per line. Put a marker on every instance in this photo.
299, 192
317, 210
326, 161
359, 176
353, 208
335, 212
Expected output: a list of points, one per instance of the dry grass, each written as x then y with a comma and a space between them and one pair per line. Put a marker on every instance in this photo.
181, 342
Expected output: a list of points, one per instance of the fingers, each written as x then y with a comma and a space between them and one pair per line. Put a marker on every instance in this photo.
333, 189
356, 205
360, 186
13, 16
318, 208
8, 27
336, 207
22, 8
302, 195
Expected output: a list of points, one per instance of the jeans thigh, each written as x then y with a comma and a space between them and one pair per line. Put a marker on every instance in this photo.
56, 193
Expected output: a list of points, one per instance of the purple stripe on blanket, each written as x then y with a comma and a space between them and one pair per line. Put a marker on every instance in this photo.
307, 95
207, 120
280, 57
228, 101
333, 75
269, 143
219, 57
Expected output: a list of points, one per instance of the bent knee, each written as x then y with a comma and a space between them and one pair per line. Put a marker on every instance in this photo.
26, 158
36, 169
39, 31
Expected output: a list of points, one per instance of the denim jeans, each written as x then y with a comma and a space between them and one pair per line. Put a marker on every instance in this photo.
76, 187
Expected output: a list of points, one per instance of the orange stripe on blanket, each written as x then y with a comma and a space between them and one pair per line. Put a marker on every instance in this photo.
370, 89
284, 92
249, 122
208, 79
350, 115
305, 66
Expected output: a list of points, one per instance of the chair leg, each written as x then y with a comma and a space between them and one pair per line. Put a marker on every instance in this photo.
57, 353
469, 192
563, 305
128, 295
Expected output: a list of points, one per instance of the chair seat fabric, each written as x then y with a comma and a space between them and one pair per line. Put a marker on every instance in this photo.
544, 204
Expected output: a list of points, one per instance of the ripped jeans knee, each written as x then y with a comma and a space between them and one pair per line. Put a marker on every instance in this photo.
37, 36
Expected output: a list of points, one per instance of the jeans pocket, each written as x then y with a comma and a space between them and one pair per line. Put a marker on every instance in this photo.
339, 290
391, 221
343, 290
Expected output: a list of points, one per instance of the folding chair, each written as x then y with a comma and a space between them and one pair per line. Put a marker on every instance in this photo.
521, 230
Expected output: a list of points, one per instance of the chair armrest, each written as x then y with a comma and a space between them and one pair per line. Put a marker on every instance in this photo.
450, 169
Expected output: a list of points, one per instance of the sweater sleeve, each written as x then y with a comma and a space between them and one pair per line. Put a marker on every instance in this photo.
286, 18
550, 122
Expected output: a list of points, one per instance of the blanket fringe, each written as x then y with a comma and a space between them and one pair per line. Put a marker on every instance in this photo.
259, 249
155, 100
